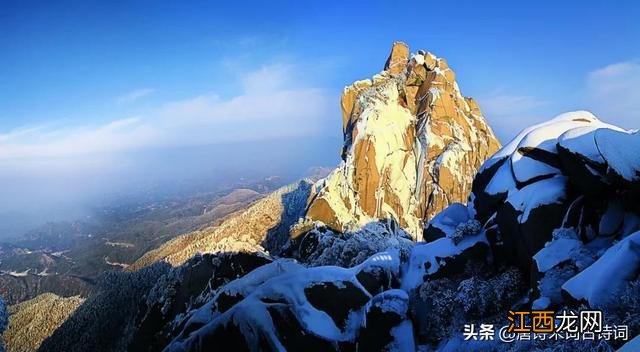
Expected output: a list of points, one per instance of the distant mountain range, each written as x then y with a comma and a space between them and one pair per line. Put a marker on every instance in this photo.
66, 258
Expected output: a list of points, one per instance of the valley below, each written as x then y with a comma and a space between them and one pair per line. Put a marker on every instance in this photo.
67, 258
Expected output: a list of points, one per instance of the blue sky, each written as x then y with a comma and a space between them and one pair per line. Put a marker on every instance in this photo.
90, 76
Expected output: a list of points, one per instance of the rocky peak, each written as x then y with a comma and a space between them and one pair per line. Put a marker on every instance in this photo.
412, 145
398, 58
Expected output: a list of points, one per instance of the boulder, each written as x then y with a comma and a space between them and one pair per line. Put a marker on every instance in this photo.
386, 324
318, 309
175, 292
443, 257
446, 222
323, 246
560, 173
600, 283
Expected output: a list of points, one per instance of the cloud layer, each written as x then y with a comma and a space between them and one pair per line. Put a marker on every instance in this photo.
613, 93
134, 95
508, 114
269, 106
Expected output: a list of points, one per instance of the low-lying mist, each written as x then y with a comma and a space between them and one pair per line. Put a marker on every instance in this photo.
36, 191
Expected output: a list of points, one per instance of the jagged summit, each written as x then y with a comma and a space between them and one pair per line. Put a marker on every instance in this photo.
412, 144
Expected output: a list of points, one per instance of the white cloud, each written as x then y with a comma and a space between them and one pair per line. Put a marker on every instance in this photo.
508, 114
41, 142
613, 93
270, 106
18, 133
134, 95
268, 78
501, 104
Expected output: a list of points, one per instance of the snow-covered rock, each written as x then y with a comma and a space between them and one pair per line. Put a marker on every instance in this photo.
554, 213
431, 259
262, 227
176, 292
600, 283
560, 173
560, 201
412, 144
556, 252
620, 150
320, 307
211, 303
323, 246
552, 220
445, 223
385, 325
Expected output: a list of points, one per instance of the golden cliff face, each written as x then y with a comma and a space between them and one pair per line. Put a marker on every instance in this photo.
412, 145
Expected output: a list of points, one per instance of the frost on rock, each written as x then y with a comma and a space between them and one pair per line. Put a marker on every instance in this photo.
261, 228
183, 288
560, 201
446, 222
323, 246
412, 144
600, 283
555, 252
554, 175
440, 307
469, 227
429, 259
620, 150
298, 309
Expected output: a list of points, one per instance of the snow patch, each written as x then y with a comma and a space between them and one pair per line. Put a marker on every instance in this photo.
599, 283
544, 192
429, 255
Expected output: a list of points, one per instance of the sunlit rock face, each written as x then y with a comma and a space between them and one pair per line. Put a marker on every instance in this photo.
412, 145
